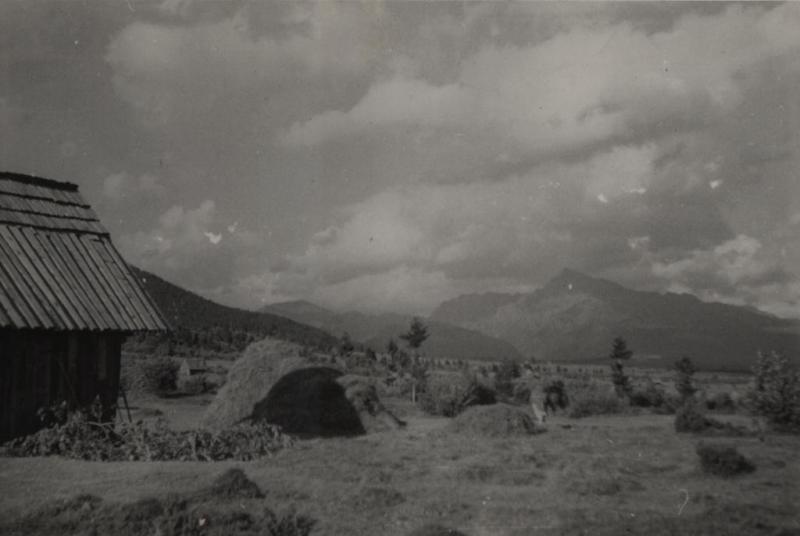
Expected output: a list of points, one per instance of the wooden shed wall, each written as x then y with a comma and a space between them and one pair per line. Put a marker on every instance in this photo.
42, 368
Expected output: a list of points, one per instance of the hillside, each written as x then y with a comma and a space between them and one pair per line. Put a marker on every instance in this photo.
446, 341
203, 326
574, 318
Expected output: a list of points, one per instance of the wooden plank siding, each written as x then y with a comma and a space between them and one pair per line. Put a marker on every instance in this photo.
39, 369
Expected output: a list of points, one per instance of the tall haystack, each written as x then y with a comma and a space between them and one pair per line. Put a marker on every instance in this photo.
249, 380
273, 382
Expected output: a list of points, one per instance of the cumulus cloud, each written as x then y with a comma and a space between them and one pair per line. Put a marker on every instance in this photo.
520, 229
736, 271
186, 246
581, 87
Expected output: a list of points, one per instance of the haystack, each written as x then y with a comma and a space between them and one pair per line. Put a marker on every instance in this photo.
250, 378
273, 382
498, 420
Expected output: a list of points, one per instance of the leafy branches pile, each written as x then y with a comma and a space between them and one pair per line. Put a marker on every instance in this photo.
81, 435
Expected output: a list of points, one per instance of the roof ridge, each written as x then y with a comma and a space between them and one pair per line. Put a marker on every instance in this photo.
39, 181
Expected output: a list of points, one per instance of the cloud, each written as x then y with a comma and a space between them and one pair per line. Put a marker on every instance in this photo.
520, 229
736, 271
580, 88
186, 247
122, 186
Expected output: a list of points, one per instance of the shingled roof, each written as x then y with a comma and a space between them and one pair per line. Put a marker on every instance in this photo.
58, 267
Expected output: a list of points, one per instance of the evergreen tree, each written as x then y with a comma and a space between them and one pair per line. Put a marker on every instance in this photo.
417, 334
619, 350
620, 353
683, 379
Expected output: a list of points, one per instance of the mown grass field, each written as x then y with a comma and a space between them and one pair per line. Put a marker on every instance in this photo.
599, 475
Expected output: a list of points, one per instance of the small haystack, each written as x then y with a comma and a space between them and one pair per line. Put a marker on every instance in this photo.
497, 420
272, 382
363, 396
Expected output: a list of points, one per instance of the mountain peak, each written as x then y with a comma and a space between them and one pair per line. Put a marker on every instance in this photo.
570, 280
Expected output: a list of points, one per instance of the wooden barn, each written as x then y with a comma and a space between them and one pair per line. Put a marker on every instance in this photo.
67, 302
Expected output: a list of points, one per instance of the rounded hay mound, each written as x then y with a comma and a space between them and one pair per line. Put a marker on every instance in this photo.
498, 420
250, 378
272, 382
310, 402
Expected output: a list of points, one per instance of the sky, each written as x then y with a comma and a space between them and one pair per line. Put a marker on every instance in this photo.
389, 156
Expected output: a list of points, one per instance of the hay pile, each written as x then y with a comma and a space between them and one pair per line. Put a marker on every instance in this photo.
273, 383
498, 420
250, 378
363, 396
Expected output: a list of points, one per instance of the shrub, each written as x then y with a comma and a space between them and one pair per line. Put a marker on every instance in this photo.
721, 460
593, 398
776, 393
555, 395
688, 418
720, 402
160, 375
651, 396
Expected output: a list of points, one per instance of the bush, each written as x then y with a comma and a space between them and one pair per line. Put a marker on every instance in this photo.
593, 398
721, 402
721, 460
651, 396
160, 375
688, 418
776, 393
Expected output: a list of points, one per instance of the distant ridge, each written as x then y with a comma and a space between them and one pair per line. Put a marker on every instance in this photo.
574, 317
446, 341
193, 318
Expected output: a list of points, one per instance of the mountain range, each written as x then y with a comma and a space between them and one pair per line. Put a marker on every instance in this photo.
445, 341
575, 317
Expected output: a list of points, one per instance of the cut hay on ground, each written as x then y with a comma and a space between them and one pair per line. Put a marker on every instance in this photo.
498, 420
232, 506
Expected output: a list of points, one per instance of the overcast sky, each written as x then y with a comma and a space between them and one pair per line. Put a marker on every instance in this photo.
390, 156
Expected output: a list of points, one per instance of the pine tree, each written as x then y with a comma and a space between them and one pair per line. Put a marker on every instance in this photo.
417, 334
683, 379
620, 353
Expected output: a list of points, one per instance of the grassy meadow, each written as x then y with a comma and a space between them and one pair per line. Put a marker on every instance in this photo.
626, 474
